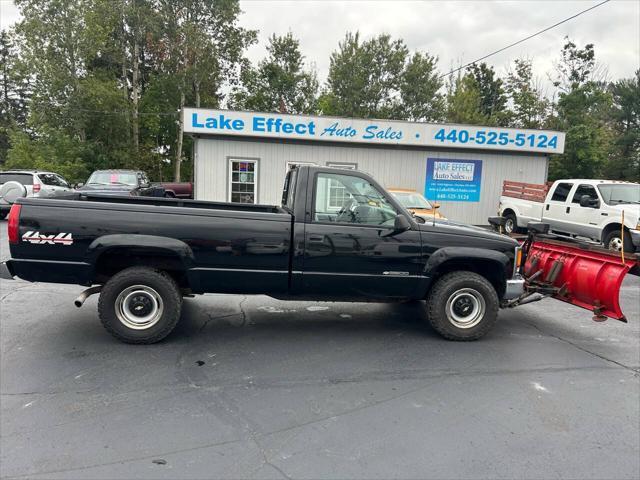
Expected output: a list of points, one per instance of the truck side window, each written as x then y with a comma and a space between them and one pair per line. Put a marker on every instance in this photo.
584, 190
561, 192
350, 199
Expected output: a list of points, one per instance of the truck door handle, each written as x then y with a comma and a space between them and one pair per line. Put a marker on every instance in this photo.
316, 238
568, 210
546, 207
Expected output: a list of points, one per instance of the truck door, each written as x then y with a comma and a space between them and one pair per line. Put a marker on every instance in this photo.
557, 208
585, 220
351, 248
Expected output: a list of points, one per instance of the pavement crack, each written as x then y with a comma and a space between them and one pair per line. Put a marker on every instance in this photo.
583, 349
242, 310
15, 290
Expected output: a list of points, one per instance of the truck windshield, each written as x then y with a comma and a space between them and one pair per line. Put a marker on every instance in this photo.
412, 200
617, 193
115, 178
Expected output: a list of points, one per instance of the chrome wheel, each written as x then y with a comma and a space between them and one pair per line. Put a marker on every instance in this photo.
509, 225
465, 308
139, 307
615, 244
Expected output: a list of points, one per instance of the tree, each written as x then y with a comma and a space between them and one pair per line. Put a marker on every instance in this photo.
583, 110
464, 101
364, 78
577, 67
280, 82
493, 97
199, 43
14, 91
420, 89
529, 107
624, 157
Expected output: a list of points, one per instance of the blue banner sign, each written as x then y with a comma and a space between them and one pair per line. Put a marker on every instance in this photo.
356, 130
452, 180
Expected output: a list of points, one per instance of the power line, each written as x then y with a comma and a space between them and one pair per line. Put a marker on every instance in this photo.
524, 39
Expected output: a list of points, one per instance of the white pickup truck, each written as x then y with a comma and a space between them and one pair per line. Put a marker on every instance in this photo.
579, 208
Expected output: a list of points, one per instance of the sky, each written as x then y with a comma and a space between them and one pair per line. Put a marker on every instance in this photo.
456, 31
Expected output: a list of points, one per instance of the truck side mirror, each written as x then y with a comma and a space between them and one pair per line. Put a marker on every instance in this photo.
435, 205
400, 224
587, 201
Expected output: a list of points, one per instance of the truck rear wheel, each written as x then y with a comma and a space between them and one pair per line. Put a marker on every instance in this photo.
462, 306
140, 305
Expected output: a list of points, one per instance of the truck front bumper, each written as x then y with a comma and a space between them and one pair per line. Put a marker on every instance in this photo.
515, 288
5, 271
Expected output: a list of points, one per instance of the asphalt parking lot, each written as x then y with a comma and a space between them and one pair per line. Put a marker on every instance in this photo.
251, 387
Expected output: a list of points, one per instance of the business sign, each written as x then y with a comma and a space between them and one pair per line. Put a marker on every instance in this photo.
453, 180
380, 132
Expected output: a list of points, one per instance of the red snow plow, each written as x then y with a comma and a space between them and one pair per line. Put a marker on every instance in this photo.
575, 272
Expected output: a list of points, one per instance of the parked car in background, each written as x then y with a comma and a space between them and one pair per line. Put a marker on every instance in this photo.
177, 189
121, 182
36, 184
577, 207
416, 203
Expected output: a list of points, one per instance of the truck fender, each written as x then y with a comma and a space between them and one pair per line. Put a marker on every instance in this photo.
154, 243
466, 257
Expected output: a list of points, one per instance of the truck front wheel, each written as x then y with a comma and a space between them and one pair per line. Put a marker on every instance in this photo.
511, 223
140, 305
462, 306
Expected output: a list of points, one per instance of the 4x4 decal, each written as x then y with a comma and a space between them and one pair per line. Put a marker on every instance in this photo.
38, 238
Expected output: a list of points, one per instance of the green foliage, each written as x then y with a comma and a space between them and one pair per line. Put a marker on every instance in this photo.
52, 151
624, 156
529, 106
365, 77
420, 89
493, 97
464, 102
583, 112
279, 83
89, 84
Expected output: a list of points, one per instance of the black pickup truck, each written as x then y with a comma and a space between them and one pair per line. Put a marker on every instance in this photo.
338, 236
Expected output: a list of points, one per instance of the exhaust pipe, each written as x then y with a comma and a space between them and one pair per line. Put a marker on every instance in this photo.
78, 302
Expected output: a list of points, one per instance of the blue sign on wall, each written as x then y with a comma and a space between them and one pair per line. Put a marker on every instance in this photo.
453, 180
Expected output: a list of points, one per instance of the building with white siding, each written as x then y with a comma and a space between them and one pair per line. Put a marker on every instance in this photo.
243, 156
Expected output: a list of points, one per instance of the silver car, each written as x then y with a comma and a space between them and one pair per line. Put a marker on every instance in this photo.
36, 183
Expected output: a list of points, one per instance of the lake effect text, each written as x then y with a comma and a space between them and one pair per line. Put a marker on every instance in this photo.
258, 124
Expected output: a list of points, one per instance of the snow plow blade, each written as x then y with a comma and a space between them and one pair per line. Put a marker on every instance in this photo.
588, 278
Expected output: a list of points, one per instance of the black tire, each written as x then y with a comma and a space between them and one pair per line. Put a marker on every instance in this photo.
3, 215
511, 225
613, 241
140, 290
451, 296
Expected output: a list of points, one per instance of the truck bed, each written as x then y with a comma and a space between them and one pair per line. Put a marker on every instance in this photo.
525, 191
173, 202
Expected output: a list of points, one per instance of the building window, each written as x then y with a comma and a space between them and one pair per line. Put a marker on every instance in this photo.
243, 177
